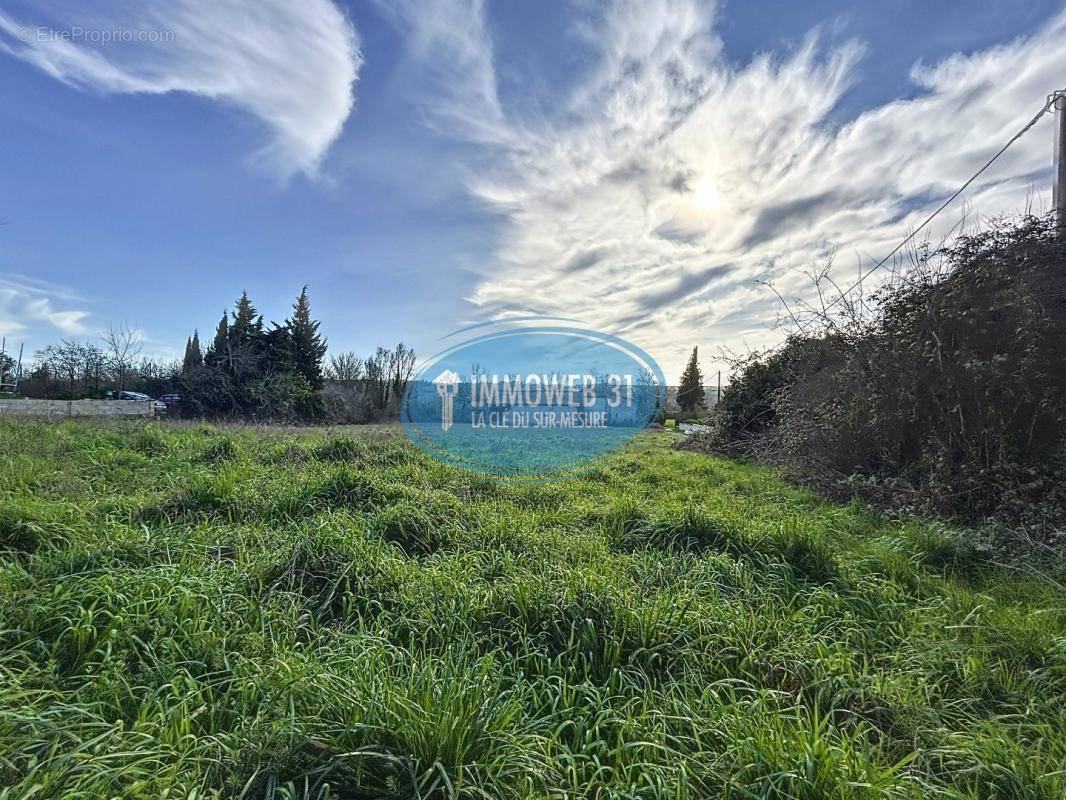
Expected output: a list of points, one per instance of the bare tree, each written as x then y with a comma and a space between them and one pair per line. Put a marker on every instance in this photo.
377, 372
346, 367
69, 359
402, 364
123, 345
388, 373
93, 366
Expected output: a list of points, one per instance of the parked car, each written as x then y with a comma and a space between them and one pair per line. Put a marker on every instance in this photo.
126, 394
170, 399
158, 406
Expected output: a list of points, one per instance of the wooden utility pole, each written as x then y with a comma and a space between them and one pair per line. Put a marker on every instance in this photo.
1058, 192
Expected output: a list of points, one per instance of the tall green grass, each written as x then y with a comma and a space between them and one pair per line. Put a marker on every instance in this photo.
194, 612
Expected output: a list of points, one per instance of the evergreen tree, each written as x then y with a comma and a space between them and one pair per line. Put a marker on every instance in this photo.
193, 357
197, 354
210, 391
308, 346
256, 373
690, 390
247, 325
278, 351
217, 353
246, 345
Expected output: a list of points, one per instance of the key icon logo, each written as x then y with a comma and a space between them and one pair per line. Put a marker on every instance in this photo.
447, 384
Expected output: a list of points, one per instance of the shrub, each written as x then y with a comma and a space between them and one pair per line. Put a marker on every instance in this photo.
949, 399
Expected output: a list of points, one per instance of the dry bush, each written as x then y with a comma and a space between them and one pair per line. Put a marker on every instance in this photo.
944, 393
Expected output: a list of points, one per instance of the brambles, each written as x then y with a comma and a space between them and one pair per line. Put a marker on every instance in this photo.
246, 613
949, 398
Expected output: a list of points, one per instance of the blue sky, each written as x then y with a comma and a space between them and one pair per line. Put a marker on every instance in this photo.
638, 165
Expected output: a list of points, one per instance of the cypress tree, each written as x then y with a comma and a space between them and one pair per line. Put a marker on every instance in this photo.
690, 390
308, 346
193, 357
197, 354
219, 350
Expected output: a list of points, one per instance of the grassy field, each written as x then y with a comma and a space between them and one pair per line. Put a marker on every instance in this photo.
190, 611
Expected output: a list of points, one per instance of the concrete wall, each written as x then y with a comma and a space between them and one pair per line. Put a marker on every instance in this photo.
53, 409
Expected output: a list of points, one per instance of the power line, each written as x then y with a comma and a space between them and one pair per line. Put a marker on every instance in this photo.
1051, 100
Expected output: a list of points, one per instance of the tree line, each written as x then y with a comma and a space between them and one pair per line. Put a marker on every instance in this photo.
71, 369
248, 370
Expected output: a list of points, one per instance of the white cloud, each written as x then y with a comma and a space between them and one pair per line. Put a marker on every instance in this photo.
28, 310
291, 65
448, 38
670, 180
69, 322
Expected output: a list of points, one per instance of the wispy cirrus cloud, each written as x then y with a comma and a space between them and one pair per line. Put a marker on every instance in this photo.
670, 180
448, 38
292, 66
29, 307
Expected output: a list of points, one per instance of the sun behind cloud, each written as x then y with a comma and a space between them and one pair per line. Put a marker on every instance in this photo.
671, 183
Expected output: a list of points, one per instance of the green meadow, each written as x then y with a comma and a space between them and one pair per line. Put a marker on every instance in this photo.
190, 611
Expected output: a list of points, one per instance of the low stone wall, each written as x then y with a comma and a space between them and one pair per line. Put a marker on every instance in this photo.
53, 409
